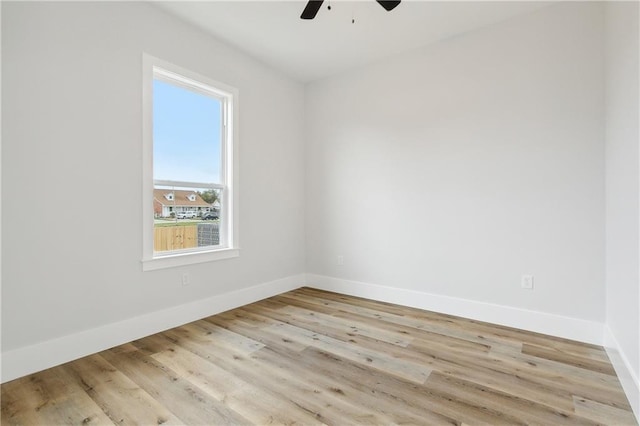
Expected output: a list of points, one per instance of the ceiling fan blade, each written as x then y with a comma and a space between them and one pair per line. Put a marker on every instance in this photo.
311, 9
388, 4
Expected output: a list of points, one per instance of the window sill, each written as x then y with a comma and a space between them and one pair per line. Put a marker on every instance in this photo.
182, 259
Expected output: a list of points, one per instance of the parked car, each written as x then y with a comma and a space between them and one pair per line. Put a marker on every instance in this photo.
211, 216
186, 215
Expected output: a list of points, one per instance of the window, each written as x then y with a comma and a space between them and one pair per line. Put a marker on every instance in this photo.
189, 167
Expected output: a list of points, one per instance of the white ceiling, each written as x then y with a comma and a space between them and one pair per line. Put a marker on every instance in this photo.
273, 32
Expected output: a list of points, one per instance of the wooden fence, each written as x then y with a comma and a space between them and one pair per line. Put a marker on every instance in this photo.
175, 237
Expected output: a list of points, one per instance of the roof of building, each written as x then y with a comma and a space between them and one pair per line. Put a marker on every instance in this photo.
181, 198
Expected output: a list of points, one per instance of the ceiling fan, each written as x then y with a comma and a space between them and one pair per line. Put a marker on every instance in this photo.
313, 6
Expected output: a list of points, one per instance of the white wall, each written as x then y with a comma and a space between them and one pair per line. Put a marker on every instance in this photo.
457, 168
622, 191
72, 146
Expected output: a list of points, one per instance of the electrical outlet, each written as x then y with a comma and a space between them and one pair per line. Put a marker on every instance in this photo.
340, 260
185, 279
527, 282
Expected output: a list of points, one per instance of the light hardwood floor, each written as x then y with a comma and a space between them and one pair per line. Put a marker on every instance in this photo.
311, 357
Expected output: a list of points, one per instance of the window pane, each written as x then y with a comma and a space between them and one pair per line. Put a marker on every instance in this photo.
185, 218
187, 132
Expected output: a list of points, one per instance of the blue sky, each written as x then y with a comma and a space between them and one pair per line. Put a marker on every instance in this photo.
186, 134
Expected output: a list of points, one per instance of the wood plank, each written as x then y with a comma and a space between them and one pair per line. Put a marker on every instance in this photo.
552, 369
19, 403
274, 370
602, 413
257, 404
351, 378
327, 401
189, 404
380, 360
117, 395
486, 330
541, 385
435, 352
440, 327
517, 408
225, 338
410, 333
349, 327
382, 408
433, 357
49, 397
239, 319
569, 359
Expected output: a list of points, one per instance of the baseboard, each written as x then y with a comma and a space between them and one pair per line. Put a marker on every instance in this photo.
621, 364
26, 360
540, 322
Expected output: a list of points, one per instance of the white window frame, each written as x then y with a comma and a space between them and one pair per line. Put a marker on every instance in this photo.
153, 67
